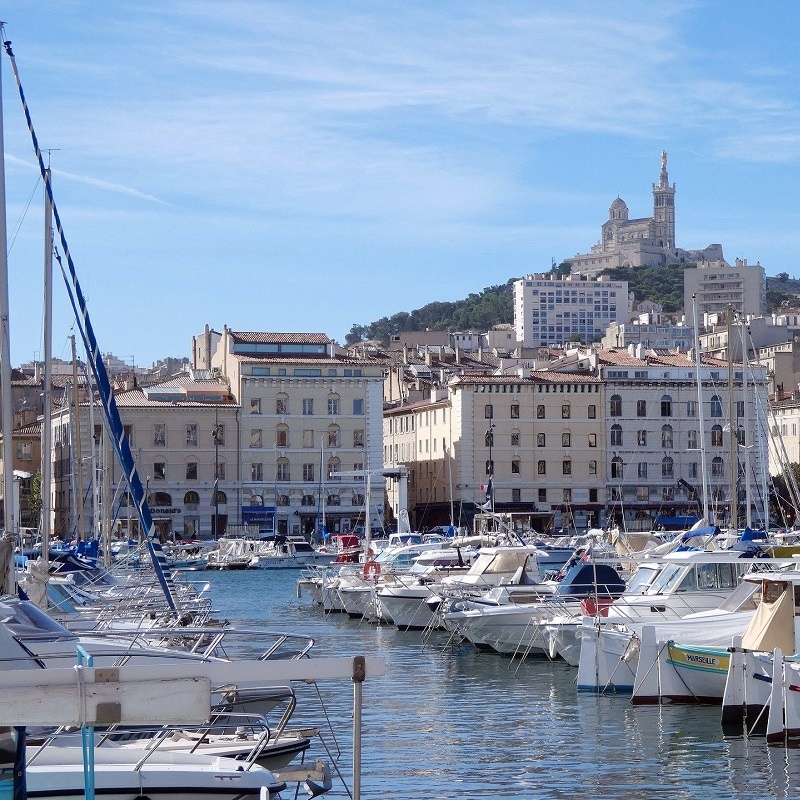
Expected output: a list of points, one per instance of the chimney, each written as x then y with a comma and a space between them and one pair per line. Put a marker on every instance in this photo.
458, 354
428, 357
405, 353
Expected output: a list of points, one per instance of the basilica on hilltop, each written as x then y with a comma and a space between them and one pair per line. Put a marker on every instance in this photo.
641, 242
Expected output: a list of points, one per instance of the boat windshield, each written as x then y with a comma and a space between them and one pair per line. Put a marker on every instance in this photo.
495, 563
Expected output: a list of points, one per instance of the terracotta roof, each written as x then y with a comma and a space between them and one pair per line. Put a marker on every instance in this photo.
135, 398
252, 337
550, 376
288, 358
419, 404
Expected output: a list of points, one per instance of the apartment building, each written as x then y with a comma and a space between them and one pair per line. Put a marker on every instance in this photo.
310, 416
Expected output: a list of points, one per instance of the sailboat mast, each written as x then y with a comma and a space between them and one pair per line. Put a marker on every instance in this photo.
733, 519
6, 411
46, 492
77, 458
701, 415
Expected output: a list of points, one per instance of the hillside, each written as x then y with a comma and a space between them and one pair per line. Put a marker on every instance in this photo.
495, 304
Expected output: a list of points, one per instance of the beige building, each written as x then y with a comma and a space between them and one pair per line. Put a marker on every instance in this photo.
310, 414
538, 438
718, 285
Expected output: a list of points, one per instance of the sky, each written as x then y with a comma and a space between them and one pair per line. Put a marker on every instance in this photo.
309, 165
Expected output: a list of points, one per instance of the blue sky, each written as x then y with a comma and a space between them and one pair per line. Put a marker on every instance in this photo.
309, 165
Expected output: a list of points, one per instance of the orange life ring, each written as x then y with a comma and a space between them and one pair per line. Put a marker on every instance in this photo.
372, 569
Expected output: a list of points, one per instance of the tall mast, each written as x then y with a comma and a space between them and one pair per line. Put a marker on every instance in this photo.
733, 481
46, 491
77, 456
6, 412
703, 471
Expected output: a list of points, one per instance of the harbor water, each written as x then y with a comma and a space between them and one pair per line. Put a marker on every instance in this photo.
449, 722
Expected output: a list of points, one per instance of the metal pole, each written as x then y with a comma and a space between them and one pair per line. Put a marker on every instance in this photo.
359, 673
733, 441
46, 490
704, 474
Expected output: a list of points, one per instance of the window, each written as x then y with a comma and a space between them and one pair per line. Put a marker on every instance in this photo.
358, 500
358, 407
334, 468
488, 411
160, 434
308, 406
716, 436
308, 472
307, 500
541, 440
255, 437
159, 470
616, 493
128, 433
641, 408
358, 437
191, 499
282, 500
616, 436
592, 440
256, 471
515, 438
219, 471
333, 436
666, 406
282, 404
255, 405
592, 411
668, 493
694, 470
567, 495
333, 500
616, 467
593, 467
541, 468
716, 406
667, 467
282, 470
717, 468
333, 406
566, 467
542, 495
515, 470
515, 412
218, 434
641, 469
516, 495
565, 411
24, 451
592, 495
691, 408
691, 440
490, 467
308, 438
740, 408
642, 493
615, 406
191, 470
641, 438
191, 434
666, 437
540, 412
282, 436
566, 439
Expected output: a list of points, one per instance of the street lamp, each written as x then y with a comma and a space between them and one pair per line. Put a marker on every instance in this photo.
216, 435
489, 441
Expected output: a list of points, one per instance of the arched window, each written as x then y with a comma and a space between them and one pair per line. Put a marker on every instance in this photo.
333, 500
308, 500
282, 471
615, 406
256, 500
666, 437
717, 467
282, 500
716, 436
666, 406
716, 406
358, 500
667, 467
541, 467
221, 498
159, 499
191, 499
616, 467
616, 436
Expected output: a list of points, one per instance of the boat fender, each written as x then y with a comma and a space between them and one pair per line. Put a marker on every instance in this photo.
372, 569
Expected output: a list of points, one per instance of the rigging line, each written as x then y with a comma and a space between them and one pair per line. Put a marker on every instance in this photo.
22, 217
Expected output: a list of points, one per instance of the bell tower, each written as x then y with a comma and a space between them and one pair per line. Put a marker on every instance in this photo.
664, 208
